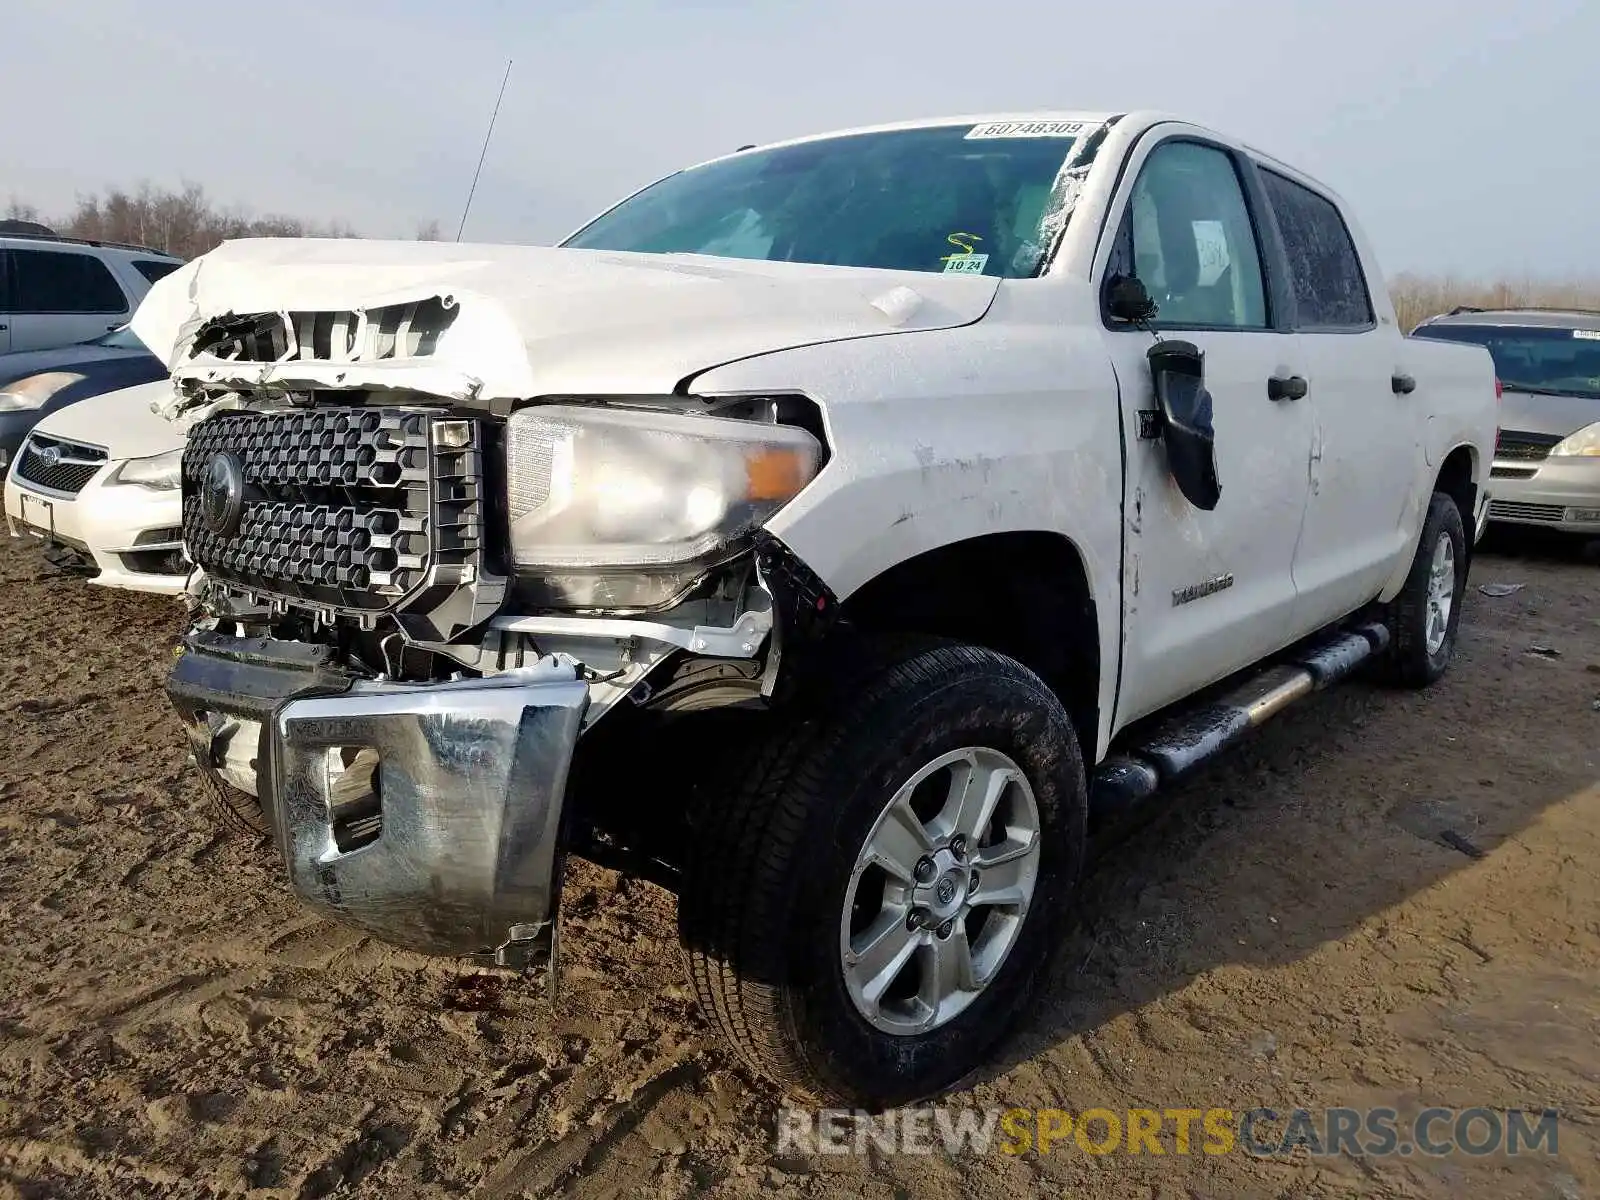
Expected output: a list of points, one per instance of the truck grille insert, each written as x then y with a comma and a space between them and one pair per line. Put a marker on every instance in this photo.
58, 465
349, 508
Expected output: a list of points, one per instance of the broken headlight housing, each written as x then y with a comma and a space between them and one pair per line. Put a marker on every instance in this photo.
624, 509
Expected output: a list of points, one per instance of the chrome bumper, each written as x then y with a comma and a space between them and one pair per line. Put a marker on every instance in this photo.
452, 845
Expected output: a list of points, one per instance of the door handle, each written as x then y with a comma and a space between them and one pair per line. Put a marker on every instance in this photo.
1402, 383
1286, 387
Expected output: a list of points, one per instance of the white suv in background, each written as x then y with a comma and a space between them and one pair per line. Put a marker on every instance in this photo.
98, 482
56, 291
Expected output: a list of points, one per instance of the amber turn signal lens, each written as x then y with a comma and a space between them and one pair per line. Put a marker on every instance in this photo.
776, 474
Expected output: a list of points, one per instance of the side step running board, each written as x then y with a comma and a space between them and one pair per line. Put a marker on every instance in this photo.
1178, 747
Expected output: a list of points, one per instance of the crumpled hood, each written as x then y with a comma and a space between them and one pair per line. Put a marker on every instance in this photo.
123, 422
534, 321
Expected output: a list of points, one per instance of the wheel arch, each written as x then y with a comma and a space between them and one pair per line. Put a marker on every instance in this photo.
1460, 477
1026, 594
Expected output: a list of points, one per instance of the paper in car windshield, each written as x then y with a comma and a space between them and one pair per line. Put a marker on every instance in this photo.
1025, 129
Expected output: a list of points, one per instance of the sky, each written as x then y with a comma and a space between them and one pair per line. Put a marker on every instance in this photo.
1460, 131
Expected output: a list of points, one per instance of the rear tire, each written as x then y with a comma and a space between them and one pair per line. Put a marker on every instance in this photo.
1424, 617
796, 904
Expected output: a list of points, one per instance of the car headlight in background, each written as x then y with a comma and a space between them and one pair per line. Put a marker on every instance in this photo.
159, 472
1583, 444
35, 390
615, 508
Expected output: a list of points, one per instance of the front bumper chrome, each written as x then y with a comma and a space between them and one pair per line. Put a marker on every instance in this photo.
452, 844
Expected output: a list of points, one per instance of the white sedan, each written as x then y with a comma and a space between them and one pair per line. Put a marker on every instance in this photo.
98, 481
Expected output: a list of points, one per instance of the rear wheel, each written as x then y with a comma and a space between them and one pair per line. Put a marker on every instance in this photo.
866, 909
1424, 617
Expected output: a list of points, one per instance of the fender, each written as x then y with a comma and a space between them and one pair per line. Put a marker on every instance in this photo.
926, 450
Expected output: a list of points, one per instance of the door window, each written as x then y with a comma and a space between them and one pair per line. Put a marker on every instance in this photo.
1330, 291
54, 281
1194, 246
154, 269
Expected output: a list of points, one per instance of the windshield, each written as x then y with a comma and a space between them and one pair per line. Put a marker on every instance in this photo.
118, 339
1528, 358
956, 198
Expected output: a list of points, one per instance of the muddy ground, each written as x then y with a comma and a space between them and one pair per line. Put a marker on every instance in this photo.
1295, 931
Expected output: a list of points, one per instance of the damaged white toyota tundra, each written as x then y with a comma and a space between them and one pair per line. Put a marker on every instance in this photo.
836, 532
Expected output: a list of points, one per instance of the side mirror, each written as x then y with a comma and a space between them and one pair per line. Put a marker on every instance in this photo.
1178, 371
1127, 299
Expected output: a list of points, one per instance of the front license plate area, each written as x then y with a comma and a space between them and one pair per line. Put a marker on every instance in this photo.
38, 514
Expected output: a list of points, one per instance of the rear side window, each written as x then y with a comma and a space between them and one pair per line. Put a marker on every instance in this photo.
153, 268
1330, 291
53, 281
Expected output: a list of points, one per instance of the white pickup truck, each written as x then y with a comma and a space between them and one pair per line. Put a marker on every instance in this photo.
835, 532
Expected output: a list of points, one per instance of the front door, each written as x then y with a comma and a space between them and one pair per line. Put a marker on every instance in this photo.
1204, 592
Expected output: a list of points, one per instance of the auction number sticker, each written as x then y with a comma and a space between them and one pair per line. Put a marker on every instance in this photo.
1025, 129
1589, 335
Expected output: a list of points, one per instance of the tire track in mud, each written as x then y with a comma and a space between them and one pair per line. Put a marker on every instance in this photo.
597, 1128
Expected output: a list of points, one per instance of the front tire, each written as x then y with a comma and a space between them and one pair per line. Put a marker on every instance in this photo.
1425, 616
867, 909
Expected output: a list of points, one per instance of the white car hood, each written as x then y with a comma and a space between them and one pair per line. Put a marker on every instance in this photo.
537, 321
123, 422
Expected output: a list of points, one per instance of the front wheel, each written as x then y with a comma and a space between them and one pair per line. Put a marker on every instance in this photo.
1424, 617
866, 911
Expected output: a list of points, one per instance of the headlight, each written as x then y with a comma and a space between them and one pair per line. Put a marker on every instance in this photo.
1583, 444
33, 391
159, 472
618, 508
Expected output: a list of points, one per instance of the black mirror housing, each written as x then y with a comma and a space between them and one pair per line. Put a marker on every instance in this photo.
1178, 372
1127, 299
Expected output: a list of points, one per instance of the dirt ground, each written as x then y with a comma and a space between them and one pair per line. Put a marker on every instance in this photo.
1294, 931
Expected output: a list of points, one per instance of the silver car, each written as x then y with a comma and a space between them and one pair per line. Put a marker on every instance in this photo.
1547, 459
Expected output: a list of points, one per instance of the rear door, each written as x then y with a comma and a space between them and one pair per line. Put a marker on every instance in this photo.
1367, 462
61, 296
1205, 593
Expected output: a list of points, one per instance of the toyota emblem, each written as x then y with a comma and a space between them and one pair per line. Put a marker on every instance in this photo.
222, 494
49, 455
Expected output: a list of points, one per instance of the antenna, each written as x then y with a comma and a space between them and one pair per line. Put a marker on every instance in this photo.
485, 153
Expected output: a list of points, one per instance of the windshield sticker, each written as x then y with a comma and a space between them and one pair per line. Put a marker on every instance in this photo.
968, 261
1025, 129
1588, 335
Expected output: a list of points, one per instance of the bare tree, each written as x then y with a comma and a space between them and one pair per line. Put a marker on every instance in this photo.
184, 222
428, 231
16, 210
1419, 296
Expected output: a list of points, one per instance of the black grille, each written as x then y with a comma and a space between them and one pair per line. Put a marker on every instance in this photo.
344, 508
1524, 447
60, 466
